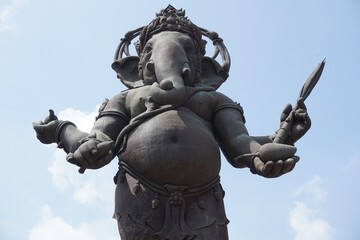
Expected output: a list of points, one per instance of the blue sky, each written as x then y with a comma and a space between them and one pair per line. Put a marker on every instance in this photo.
57, 54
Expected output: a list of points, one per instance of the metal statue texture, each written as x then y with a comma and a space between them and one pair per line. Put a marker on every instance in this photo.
167, 130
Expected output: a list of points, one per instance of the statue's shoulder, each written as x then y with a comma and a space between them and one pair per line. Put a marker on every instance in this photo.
211, 94
217, 101
115, 103
128, 94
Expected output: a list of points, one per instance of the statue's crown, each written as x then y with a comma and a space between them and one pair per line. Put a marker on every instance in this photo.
171, 19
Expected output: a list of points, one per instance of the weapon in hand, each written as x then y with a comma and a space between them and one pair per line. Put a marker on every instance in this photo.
310, 83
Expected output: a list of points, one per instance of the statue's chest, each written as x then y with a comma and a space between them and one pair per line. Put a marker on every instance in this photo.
200, 103
136, 101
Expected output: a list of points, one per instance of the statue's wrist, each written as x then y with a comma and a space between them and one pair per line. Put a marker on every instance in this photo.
62, 125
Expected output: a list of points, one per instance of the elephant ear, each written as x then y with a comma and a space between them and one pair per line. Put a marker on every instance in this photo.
212, 73
127, 71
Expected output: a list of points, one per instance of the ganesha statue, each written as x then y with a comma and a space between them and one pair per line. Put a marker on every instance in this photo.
167, 130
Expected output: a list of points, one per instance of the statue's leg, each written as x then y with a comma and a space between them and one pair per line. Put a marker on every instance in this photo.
133, 209
143, 214
130, 230
213, 232
206, 216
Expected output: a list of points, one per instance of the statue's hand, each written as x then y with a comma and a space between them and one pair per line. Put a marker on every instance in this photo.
274, 159
273, 169
46, 130
301, 121
95, 152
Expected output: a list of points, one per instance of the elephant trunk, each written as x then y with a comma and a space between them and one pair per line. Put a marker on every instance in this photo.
170, 75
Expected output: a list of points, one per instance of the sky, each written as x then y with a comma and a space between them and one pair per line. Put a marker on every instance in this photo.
57, 54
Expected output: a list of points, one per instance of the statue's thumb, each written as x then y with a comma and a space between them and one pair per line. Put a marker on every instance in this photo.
50, 117
285, 113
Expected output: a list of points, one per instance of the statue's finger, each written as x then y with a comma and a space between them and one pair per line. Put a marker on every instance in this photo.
82, 169
300, 110
266, 169
101, 161
301, 115
285, 113
50, 117
38, 126
308, 120
87, 146
301, 104
278, 165
70, 158
82, 157
288, 166
296, 158
290, 163
103, 148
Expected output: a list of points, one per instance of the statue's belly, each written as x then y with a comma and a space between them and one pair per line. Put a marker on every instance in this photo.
174, 147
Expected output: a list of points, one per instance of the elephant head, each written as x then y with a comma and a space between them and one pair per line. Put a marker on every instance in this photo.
171, 56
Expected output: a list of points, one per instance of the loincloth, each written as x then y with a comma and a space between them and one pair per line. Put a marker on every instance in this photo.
146, 210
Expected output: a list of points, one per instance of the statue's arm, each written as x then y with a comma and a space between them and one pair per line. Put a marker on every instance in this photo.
52, 130
232, 135
107, 127
89, 150
235, 141
98, 148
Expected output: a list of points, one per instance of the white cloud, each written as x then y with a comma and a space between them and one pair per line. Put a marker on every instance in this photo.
56, 228
305, 217
92, 187
313, 190
8, 12
354, 164
307, 225
61, 171
84, 121
89, 190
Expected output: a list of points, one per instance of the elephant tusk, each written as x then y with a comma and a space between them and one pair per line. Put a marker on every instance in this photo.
186, 72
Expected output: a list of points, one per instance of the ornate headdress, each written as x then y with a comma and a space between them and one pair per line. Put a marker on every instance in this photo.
171, 19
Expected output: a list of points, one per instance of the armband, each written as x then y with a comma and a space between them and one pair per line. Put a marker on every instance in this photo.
234, 105
103, 112
59, 128
113, 113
